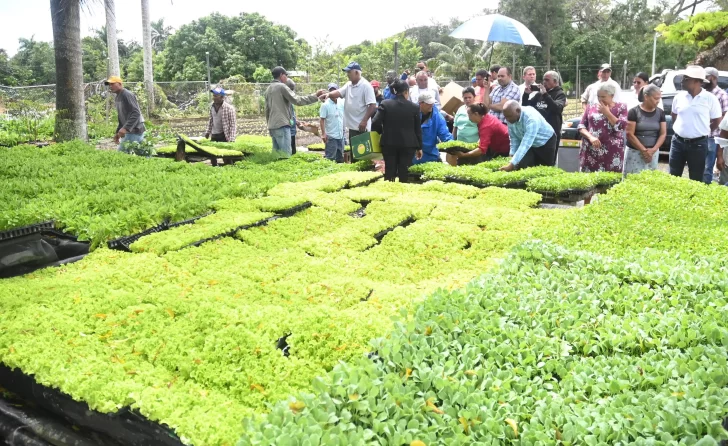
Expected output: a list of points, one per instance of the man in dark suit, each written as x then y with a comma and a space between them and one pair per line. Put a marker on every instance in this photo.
398, 121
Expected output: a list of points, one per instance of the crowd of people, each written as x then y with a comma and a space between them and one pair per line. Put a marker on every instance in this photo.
621, 131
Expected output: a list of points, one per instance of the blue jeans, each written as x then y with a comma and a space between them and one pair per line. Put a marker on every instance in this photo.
281, 140
710, 158
334, 150
131, 137
692, 153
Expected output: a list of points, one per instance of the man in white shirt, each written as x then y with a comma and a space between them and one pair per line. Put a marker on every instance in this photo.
360, 103
605, 76
529, 77
423, 86
695, 114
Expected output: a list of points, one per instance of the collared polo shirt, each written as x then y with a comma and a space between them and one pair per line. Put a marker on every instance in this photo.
695, 113
531, 130
357, 99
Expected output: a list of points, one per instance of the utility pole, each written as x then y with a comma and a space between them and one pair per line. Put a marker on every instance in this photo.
654, 53
578, 83
396, 56
209, 85
610, 57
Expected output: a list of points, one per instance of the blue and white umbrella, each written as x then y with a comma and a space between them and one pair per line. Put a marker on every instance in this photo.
495, 28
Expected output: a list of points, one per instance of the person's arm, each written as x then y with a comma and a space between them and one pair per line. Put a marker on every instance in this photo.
404, 76
720, 160
293, 98
661, 137
442, 132
208, 131
585, 97
525, 98
323, 114
418, 129
555, 105
584, 130
378, 121
232, 128
454, 132
714, 123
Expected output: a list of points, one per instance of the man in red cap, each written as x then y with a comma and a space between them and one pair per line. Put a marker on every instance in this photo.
377, 93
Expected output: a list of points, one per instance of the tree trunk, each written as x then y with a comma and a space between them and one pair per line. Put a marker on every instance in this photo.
112, 42
70, 106
148, 74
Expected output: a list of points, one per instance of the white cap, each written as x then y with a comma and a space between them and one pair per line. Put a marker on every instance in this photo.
427, 98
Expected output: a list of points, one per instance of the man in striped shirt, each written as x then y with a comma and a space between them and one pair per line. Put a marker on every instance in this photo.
505, 91
222, 126
533, 141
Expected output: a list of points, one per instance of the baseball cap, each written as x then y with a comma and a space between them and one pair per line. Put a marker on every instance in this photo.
278, 71
605, 67
218, 90
712, 71
375, 84
113, 80
473, 80
427, 98
333, 86
352, 66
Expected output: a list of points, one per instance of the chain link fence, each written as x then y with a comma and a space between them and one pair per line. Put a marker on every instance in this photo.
191, 99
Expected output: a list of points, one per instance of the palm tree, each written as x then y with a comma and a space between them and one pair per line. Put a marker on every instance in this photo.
147, 41
160, 34
70, 106
458, 61
112, 42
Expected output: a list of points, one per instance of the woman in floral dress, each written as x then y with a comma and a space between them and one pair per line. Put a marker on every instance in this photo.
602, 133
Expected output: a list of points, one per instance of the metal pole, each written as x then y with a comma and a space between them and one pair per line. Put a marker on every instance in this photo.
610, 57
578, 86
396, 56
654, 53
209, 84
624, 75
514, 63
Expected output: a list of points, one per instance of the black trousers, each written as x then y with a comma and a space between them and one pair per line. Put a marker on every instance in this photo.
293, 144
540, 156
397, 163
218, 137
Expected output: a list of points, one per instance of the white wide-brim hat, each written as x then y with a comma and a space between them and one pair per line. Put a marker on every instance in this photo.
695, 72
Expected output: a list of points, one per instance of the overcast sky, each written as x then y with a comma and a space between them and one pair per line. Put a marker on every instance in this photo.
344, 25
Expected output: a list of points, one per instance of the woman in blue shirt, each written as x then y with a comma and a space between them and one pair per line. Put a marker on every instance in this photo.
434, 128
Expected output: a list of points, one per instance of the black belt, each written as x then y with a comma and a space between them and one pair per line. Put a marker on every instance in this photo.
690, 140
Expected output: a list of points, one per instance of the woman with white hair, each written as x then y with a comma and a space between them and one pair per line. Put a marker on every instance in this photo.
602, 133
646, 131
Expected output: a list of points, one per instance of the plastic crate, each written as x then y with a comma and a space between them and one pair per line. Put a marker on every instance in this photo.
27, 230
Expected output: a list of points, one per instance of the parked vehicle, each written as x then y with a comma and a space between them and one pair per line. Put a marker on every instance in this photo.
670, 82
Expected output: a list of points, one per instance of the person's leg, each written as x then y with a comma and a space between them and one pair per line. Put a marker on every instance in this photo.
339, 151
695, 153
404, 161
282, 141
330, 149
130, 137
545, 154
390, 164
677, 157
528, 160
293, 144
710, 158
558, 144
349, 157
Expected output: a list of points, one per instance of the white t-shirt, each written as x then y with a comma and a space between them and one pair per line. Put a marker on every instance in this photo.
591, 95
632, 101
356, 101
415, 92
695, 113
724, 123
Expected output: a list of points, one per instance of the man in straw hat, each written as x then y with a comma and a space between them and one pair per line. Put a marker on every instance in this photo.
131, 122
222, 125
695, 114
